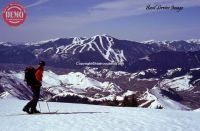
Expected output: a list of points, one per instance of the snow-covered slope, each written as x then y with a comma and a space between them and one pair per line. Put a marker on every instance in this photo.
197, 110
78, 80
173, 92
176, 45
13, 86
165, 42
99, 43
155, 42
156, 99
6, 44
74, 82
177, 83
196, 41
42, 42
68, 52
164, 101
79, 117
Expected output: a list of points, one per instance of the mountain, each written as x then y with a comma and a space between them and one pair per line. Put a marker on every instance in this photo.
174, 89
165, 60
77, 52
102, 70
177, 45
73, 83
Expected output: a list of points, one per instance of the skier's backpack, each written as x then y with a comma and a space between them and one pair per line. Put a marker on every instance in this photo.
29, 76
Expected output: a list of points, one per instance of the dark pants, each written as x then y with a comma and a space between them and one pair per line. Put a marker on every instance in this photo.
33, 103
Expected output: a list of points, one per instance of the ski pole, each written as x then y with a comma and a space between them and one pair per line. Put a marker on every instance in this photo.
47, 106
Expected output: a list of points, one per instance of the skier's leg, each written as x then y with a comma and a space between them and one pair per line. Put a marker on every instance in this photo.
35, 100
28, 106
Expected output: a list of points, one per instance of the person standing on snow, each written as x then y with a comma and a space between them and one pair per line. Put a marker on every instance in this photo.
35, 85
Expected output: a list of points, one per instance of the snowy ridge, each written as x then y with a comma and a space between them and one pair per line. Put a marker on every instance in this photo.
42, 42
105, 84
157, 99
77, 80
166, 42
166, 102
6, 44
117, 97
104, 47
75, 83
195, 41
177, 83
108, 73
171, 71
14, 87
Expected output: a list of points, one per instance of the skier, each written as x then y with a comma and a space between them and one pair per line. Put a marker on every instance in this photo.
35, 85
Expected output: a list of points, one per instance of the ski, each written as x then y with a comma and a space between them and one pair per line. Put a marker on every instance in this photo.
42, 113
54, 112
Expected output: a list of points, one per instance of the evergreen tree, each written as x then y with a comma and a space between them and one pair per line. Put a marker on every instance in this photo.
133, 102
125, 102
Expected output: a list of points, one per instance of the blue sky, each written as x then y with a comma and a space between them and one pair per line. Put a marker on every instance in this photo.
123, 19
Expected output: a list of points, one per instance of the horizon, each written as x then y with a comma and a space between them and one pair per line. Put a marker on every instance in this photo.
51, 39
123, 19
34, 42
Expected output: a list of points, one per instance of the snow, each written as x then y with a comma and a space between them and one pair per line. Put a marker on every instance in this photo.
196, 41
178, 83
165, 42
150, 79
75, 82
13, 86
118, 97
197, 110
79, 45
6, 44
145, 58
141, 73
152, 70
111, 87
155, 98
48, 49
151, 42
171, 71
78, 80
165, 101
116, 74
42, 42
194, 69
80, 117
110, 97
59, 48
128, 93
5, 94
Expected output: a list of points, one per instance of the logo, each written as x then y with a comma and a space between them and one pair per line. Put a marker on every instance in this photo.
14, 14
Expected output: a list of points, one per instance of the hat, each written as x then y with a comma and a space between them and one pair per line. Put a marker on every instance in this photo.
42, 63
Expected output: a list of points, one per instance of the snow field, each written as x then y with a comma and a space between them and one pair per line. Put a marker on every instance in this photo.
81, 117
